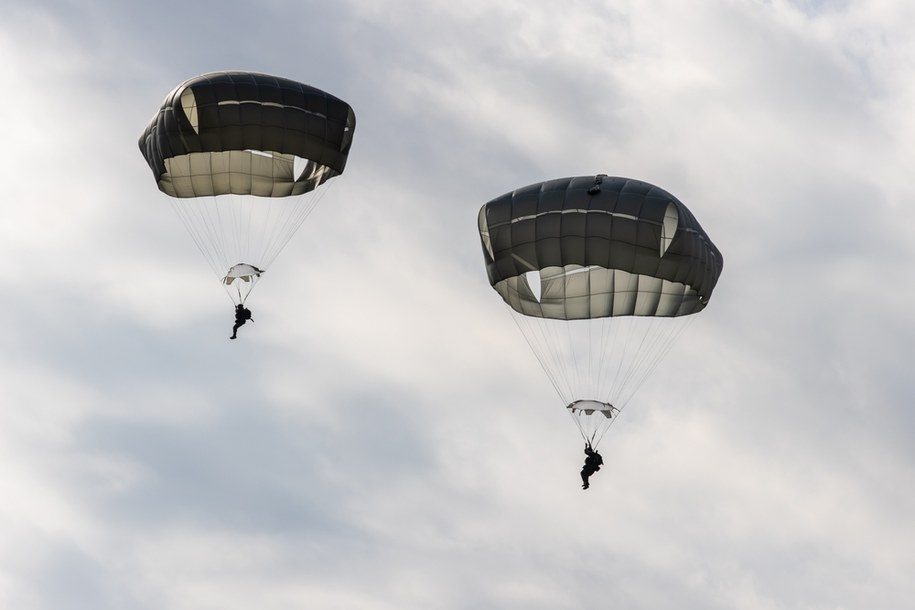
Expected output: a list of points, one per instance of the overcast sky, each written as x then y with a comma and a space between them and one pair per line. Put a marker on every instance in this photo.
382, 437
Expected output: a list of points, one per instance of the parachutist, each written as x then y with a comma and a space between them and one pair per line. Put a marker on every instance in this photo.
593, 462
226, 133
242, 315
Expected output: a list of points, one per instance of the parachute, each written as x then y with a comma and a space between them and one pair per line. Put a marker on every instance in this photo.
601, 274
241, 155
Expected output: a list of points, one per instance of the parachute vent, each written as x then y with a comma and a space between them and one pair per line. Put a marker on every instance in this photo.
533, 282
189, 105
669, 226
299, 167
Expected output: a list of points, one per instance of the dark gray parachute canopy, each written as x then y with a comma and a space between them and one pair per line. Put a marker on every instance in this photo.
597, 246
247, 134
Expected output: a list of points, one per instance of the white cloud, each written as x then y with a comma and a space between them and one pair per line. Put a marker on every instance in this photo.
381, 437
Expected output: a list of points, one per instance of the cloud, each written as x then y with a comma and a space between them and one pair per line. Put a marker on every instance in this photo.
381, 437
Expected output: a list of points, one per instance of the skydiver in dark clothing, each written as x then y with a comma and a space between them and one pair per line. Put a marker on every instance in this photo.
242, 315
593, 462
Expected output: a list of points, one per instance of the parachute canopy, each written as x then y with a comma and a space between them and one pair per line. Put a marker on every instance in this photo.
597, 247
240, 133
241, 154
598, 272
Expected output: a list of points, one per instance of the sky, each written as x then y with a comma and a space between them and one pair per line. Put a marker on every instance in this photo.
382, 437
